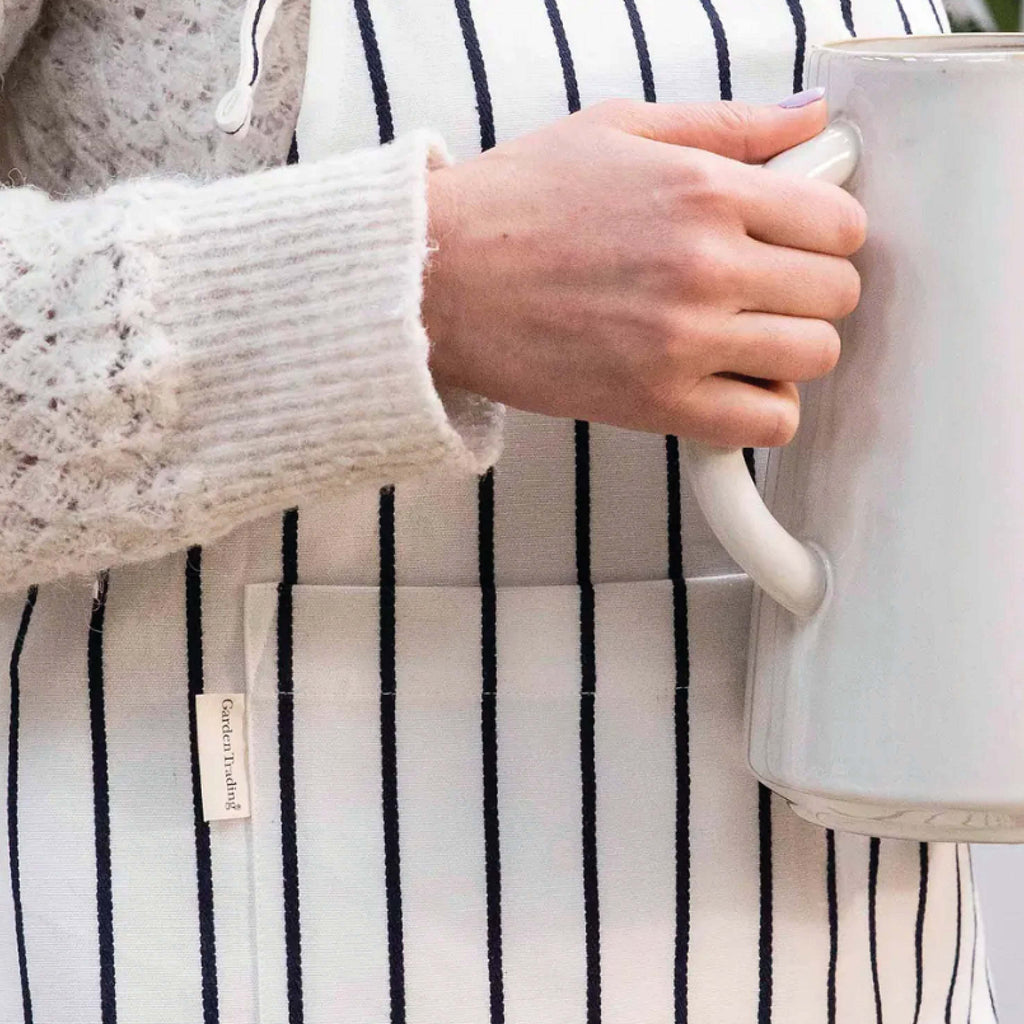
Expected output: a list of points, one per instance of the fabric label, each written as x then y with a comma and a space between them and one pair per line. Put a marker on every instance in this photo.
223, 755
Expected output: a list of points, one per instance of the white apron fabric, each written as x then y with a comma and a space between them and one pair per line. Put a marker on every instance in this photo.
495, 732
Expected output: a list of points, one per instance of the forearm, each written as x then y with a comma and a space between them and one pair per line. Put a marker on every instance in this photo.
178, 358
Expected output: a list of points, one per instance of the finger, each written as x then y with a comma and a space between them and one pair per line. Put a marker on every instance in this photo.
733, 413
796, 283
799, 214
771, 347
741, 131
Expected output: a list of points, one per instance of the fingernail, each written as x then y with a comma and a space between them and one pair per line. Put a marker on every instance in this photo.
804, 99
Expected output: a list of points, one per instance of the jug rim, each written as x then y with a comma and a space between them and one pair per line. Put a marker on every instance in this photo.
984, 46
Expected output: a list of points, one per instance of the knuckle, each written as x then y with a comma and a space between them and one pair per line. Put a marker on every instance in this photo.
663, 338
734, 118
618, 112
717, 273
696, 182
696, 176
706, 267
703, 188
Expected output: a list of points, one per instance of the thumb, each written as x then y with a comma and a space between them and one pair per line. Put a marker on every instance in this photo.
741, 131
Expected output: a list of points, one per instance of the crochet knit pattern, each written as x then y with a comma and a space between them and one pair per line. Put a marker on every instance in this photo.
109, 89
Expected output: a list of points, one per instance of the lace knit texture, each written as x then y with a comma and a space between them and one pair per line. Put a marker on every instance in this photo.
106, 90
178, 356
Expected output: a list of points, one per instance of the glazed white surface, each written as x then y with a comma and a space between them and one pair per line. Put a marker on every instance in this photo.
904, 692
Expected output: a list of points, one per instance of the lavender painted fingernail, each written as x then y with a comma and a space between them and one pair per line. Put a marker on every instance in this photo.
804, 99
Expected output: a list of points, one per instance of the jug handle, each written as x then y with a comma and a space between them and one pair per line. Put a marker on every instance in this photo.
794, 574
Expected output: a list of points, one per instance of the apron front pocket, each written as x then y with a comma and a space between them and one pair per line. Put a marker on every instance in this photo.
445, 816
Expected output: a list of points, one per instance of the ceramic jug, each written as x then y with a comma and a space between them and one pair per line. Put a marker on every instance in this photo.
886, 664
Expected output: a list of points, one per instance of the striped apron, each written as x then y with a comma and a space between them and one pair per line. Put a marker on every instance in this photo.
495, 725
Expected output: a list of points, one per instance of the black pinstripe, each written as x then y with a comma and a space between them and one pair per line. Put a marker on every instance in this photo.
389, 757
764, 806
833, 924
286, 765
572, 89
13, 845
959, 929
680, 643
485, 113
489, 745
643, 55
681, 714
286, 749
796, 12
387, 570
873, 857
935, 14
204, 867
846, 6
922, 904
588, 666
101, 803
488, 605
721, 50
375, 67
588, 696
766, 923
903, 17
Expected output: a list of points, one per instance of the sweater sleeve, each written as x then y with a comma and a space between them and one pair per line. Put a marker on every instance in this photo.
177, 357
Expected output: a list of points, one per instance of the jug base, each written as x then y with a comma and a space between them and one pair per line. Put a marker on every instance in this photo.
925, 824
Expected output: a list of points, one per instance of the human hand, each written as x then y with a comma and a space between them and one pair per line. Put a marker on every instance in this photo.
628, 265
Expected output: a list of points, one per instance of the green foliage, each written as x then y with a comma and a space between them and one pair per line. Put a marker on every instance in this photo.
1006, 13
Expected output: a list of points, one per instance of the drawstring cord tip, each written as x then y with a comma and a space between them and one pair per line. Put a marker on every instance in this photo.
235, 111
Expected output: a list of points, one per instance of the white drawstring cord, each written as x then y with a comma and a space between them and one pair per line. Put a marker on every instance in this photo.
235, 108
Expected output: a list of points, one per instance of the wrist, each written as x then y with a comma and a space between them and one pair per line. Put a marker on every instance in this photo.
438, 305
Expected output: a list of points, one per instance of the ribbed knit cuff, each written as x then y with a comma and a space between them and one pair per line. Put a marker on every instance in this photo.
293, 296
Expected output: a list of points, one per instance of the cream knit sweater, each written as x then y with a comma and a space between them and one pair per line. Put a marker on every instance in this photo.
190, 335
